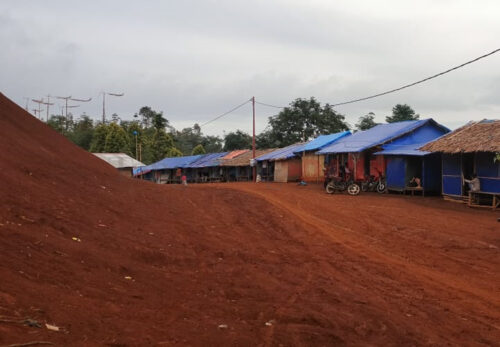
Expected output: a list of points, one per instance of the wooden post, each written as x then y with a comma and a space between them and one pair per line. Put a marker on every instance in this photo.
254, 168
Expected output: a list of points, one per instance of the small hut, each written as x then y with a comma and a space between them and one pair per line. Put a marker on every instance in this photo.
168, 170
230, 173
313, 164
124, 163
281, 165
239, 167
471, 150
207, 168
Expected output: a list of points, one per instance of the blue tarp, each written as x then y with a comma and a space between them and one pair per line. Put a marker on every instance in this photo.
207, 160
141, 170
375, 136
322, 141
174, 163
281, 154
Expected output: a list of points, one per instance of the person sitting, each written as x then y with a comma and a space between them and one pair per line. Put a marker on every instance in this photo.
474, 183
415, 182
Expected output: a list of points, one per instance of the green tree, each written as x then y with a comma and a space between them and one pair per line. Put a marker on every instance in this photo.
116, 140
237, 140
304, 119
174, 152
366, 122
401, 113
135, 135
264, 140
198, 150
98, 143
58, 123
82, 132
212, 144
161, 144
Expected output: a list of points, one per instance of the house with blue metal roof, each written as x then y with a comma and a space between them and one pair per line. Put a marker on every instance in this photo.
313, 164
281, 165
167, 170
387, 149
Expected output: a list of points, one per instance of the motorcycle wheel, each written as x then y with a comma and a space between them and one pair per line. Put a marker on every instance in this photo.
330, 189
381, 188
353, 189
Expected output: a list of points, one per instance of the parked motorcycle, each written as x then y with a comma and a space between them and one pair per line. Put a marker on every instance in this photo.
370, 184
339, 184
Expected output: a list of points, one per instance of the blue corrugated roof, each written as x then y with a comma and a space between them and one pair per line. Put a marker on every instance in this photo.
322, 141
413, 149
282, 153
377, 135
174, 163
207, 160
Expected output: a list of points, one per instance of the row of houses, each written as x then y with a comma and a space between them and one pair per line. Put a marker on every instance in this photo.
398, 151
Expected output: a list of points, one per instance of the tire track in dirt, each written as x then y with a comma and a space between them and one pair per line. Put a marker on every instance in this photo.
427, 275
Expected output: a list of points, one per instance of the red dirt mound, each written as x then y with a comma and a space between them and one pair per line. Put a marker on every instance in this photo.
119, 262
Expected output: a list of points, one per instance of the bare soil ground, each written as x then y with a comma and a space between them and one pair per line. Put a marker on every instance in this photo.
229, 264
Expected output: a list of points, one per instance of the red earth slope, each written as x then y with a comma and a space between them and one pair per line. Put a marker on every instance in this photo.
119, 262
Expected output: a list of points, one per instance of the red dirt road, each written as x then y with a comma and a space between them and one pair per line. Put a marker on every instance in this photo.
168, 265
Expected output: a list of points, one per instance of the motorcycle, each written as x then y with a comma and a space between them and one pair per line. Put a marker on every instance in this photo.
340, 184
370, 184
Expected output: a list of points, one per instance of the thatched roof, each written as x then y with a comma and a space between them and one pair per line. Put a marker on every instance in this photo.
483, 136
244, 159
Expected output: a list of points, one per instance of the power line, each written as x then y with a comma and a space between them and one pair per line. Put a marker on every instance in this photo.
418, 82
225, 113
400, 88
269, 105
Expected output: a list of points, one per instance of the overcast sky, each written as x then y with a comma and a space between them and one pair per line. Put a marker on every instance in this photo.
194, 60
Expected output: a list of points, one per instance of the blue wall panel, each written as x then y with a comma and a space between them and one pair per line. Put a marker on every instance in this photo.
490, 185
486, 166
452, 185
396, 173
452, 164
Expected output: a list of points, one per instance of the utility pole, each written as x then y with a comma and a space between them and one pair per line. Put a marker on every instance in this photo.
104, 103
48, 103
27, 103
67, 119
65, 98
34, 111
253, 142
39, 102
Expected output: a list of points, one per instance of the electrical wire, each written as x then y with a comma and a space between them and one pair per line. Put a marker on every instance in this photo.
418, 82
225, 113
403, 87
269, 105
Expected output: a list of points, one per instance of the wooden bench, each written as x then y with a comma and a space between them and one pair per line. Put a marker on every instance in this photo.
495, 199
412, 190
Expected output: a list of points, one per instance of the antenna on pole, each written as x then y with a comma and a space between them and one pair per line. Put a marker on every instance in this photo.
104, 103
48, 103
39, 102
65, 98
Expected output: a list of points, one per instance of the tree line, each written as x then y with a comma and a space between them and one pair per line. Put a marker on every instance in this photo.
150, 137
